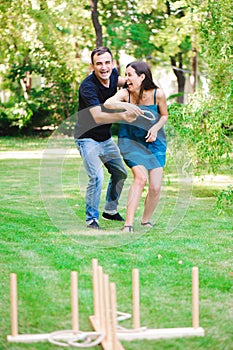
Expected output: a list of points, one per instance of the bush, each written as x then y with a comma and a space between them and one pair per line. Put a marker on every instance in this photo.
224, 201
204, 126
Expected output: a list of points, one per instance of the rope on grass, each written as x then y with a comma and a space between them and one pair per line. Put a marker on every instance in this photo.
122, 316
78, 339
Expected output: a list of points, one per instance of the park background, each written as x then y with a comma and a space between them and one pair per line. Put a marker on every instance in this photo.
45, 52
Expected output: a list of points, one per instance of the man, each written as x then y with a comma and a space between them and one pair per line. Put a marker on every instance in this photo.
93, 136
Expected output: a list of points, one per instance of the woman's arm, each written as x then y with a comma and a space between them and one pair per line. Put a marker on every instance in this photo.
162, 103
118, 102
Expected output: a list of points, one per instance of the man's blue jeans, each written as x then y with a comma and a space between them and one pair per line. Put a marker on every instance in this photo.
94, 154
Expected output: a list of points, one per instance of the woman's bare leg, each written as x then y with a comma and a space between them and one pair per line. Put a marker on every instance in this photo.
152, 198
135, 193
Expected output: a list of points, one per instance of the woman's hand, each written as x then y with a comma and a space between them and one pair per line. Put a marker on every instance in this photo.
151, 135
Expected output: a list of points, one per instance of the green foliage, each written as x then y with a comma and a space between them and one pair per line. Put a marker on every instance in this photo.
206, 123
200, 124
129, 26
14, 116
216, 31
41, 42
224, 201
45, 105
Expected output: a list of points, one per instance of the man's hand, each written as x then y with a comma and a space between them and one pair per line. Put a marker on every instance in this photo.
131, 113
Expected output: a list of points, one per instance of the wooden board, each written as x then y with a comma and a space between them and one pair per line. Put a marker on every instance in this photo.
104, 344
162, 333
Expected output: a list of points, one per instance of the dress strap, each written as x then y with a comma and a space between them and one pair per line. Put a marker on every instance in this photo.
129, 96
155, 97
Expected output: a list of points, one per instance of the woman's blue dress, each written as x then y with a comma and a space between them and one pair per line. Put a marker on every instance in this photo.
132, 143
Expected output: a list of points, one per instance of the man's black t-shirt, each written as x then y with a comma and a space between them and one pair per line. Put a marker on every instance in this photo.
93, 93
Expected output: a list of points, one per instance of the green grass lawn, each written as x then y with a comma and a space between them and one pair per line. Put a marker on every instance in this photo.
44, 238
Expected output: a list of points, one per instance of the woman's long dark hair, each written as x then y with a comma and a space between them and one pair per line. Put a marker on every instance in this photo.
143, 68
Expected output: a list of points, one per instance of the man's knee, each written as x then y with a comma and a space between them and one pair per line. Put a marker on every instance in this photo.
124, 175
118, 172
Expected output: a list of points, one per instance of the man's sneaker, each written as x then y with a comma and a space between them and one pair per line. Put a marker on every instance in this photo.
94, 224
115, 217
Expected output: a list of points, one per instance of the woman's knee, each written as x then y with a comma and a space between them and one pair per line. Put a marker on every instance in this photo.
140, 180
154, 190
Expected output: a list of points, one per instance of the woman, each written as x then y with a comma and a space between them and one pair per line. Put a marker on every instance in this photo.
142, 143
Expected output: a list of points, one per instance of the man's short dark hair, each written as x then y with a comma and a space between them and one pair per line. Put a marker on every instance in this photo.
100, 51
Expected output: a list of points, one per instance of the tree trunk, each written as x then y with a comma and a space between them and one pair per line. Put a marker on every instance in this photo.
178, 71
24, 87
26, 82
96, 23
194, 76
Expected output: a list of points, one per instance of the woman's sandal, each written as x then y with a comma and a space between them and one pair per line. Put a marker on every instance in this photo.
127, 228
147, 224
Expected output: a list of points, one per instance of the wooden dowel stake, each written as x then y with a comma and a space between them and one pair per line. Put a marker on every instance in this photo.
14, 304
95, 288
195, 298
113, 308
101, 298
136, 299
107, 318
74, 301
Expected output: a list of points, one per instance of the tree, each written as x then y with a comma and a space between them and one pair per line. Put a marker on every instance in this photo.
156, 31
96, 23
207, 121
42, 40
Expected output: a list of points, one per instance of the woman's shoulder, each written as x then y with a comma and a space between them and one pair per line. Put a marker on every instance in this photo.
123, 93
161, 99
160, 95
159, 92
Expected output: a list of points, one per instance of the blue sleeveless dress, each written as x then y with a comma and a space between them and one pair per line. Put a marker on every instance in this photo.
131, 141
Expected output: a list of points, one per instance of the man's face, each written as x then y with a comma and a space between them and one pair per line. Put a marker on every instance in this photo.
102, 67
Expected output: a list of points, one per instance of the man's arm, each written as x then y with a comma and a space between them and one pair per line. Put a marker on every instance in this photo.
128, 112
101, 117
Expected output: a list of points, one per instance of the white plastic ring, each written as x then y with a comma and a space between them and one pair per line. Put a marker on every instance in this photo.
146, 117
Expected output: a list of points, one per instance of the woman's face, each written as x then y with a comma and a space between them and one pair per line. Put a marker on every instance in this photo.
133, 81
